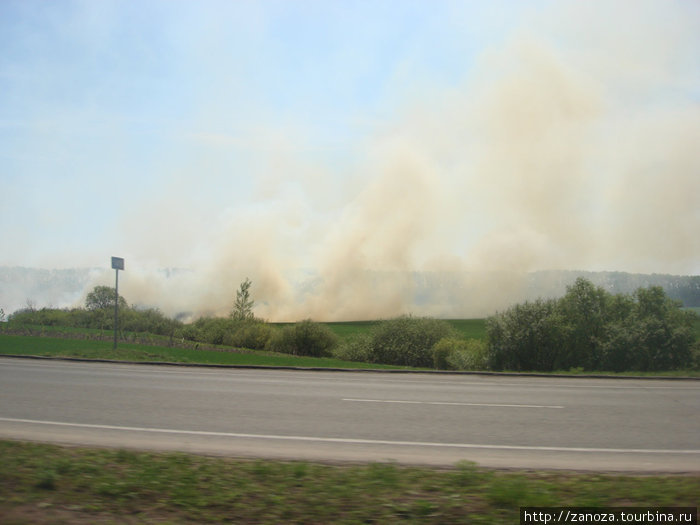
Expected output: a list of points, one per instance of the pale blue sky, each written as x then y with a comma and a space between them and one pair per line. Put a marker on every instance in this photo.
158, 130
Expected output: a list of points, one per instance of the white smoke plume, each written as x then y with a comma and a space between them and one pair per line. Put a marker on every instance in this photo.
573, 145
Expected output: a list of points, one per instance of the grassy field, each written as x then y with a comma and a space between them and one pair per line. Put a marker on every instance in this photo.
52, 484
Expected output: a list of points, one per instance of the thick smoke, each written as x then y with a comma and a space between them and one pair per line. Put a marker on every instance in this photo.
557, 151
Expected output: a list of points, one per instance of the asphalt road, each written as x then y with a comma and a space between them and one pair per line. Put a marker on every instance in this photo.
511, 422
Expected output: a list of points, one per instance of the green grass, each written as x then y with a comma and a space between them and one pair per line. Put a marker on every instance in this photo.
92, 349
348, 329
52, 484
469, 328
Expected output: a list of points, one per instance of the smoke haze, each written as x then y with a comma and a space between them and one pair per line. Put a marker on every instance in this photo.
571, 143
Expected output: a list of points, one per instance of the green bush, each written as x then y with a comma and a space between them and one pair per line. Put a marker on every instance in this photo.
407, 341
149, 320
358, 349
190, 332
43, 317
441, 351
76, 317
252, 334
460, 354
304, 338
213, 330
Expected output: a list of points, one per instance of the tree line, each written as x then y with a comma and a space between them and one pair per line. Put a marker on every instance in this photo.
586, 329
590, 328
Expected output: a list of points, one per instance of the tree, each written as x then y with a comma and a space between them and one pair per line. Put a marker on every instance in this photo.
102, 297
584, 310
665, 336
243, 307
528, 336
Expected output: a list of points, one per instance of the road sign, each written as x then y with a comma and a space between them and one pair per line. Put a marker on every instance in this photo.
117, 263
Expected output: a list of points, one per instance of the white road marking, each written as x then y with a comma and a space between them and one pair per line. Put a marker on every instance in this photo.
449, 403
351, 441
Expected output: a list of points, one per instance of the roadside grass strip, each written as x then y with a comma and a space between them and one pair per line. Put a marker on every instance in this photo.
91, 349
52, 484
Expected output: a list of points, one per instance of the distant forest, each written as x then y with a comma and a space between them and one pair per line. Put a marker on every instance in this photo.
680, 288
66, 287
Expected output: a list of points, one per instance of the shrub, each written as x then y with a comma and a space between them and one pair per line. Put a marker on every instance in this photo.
303, 338
214, 330
251, 334
149, 320
473, 357
460, 354
442, 349
407, 341
191, 332
357, 349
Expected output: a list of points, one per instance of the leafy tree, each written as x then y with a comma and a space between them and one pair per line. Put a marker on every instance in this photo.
528, 336
243, 307
584, 312
102, 297
664, 332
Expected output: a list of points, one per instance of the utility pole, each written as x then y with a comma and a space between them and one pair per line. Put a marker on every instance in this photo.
117, 264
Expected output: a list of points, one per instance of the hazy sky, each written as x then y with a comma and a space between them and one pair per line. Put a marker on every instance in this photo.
258, 138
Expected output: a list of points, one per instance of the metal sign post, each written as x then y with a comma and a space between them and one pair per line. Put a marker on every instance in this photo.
117, 264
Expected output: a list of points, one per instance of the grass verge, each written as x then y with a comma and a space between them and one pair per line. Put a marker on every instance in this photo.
91, 349
51, 484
